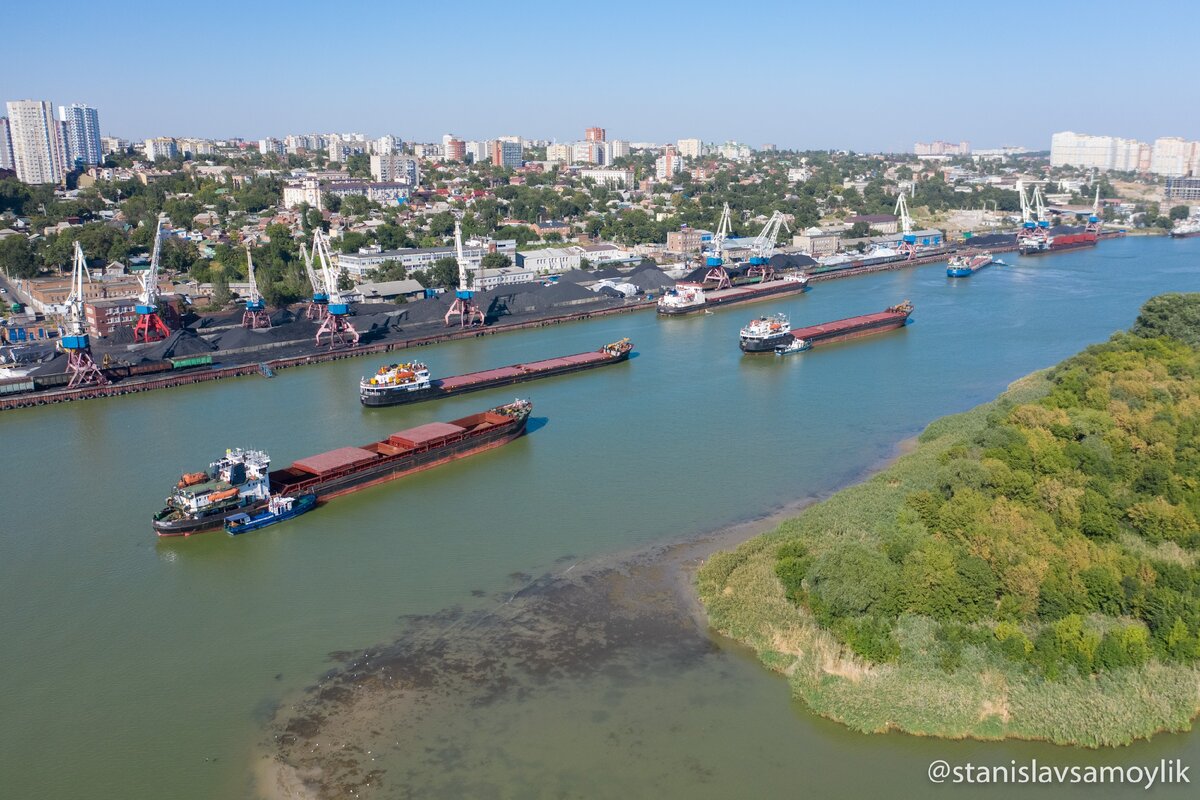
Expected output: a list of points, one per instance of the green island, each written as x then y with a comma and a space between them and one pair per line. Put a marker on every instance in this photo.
1028, 571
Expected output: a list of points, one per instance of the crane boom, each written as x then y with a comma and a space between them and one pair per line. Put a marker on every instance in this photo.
74, 301
150, 276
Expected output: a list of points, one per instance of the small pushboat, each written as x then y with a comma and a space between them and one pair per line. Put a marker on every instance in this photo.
278, 509
794, 346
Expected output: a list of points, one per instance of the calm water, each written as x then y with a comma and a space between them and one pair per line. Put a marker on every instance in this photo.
138, 669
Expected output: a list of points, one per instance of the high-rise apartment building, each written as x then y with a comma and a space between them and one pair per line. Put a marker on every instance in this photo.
1170, 156
81, 126
587, 152
506, 154
271, 147
690, 148
385, 145
396, 168
161, 147
6, 155
617, 148
558, 152
594, 135
1175, 157
668, 164
36, 141
940, 148
478, 151
454, 149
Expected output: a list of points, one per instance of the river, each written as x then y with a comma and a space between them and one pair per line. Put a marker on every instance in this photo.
138, 668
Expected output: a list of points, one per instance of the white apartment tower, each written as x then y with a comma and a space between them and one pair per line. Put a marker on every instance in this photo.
396, 168
6, 155
36, 141
690, 148
81, 125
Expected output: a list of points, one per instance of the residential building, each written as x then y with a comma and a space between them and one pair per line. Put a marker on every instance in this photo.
36, 136
688, 240
506, 153
478, 151
454, 149
587, 152
558, 152
940, 148
81, 124
483, 280
735, 151
357, 265
385, 192
613, 178
6, 153
161, 148
305, 190
1183, 189
617, 148
271, 147
594, 135
396, 167
1068, 148
385, 145
1175, 157
550, 260
799, 174
191, 148
111, 144
690, 148
668, 164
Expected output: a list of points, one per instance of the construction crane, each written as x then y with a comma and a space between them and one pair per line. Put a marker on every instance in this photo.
464, 298
319, 304
716, 259
908, 239
74, 341
255, 315
150, 326
764, 246
336, 324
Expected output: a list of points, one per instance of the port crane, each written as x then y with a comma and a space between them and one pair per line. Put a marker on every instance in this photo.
150, 326
464, 297
908, 240
319, 304
75, 341
255, 315
1093, 223
716, 261
335, 323
764, 246
1039, 208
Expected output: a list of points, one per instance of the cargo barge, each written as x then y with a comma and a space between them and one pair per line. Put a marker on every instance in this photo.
850, 328
410, 382
966, 266
203, 501
1186, 230
693, 298
1056, 239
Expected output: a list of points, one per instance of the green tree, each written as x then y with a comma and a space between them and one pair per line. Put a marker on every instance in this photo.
495, 261
443, 273
16, 257
1179, 212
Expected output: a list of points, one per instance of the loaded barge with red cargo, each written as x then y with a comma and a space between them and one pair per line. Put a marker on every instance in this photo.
1056, 239
693, 298
410, 382
843, 329
203, 501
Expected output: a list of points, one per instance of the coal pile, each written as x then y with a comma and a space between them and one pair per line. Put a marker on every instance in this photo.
180, 344
786, 261
992, 240
651, 279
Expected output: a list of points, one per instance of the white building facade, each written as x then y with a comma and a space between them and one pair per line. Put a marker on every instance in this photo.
37, 147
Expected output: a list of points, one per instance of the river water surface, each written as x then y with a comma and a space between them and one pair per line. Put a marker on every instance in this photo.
134, 668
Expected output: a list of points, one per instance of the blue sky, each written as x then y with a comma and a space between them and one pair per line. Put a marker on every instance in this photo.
865, 76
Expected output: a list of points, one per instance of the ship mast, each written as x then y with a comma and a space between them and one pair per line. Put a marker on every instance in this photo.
336, 322
464, 306
75, 341
150, 326
255, 315
716, 261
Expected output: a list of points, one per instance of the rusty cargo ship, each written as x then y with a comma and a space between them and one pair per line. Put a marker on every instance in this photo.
203, 503
411, 382
693, 298
843, 329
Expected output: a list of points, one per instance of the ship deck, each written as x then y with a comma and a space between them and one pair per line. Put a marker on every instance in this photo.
826, 329
519, 370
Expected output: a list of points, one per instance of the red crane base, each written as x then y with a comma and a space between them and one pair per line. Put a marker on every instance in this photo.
341, 332
150, 328
468, 313
83, 369
316, 312
256, 319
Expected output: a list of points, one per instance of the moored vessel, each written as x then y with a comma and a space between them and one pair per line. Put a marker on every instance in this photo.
1059, 237
235, 483
409, 383
765, 333
1186, 229
348, 469
693, 298
278, 509
794, 346
963, 266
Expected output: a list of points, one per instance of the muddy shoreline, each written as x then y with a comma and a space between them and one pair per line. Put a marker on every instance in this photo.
616, 614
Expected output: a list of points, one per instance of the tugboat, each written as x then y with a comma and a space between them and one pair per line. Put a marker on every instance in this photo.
397, 383
237, 483
278, 509
765, 334
794, 346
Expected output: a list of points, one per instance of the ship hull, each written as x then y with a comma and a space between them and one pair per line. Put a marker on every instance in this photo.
765, 345
737, 295
187, 526
852, 328
1188, 235
1073, 242
326, 488
304, 504
398, 396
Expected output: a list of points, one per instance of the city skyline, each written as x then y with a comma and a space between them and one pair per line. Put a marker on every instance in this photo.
800, 78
